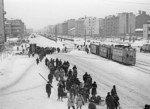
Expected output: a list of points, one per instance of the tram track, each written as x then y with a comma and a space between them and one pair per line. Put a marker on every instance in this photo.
143, 66
143, 62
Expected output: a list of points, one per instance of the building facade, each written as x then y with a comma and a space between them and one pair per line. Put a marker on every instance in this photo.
80, 27
146, 31
71, 24
8, 29
29, 30
126, 24
59, 29
16, 28
141, 19
65, 28
92, 26
2, 24
110, 26
119, 26
101, 27
71, 32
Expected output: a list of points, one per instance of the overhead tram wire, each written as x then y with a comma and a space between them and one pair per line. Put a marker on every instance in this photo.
127, 2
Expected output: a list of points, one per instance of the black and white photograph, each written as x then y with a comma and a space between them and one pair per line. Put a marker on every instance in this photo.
74, 54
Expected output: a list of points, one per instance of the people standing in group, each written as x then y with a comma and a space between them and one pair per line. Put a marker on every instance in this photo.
72, 85
116, 100
50, 77
60, 90
94, 87
91, 106
110, 101
79, 101
71, 101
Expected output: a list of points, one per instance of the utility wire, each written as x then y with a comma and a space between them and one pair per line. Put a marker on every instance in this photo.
127, 2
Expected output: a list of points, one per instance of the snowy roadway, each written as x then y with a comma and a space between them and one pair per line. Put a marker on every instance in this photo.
21, 87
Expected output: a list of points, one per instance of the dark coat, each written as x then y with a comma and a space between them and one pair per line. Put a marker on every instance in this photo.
94, 86
50, 77
93, 92
116, 99
48, 88
60, 90
110, 102
113, 91
85, 77
92, 106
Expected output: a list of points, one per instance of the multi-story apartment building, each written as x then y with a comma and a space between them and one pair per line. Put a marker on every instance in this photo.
2, 24
29, 31
17, 28
71, 32
91, 26
71, 23
80, 27
59, 29
126, 24
51, 29
110, 26
141, 19
65, 28
8, 29
146, 30
121, 25
101, 27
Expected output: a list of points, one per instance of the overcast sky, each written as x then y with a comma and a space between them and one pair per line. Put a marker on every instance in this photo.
39, 13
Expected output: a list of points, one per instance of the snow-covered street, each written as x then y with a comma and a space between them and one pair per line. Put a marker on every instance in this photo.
22, 87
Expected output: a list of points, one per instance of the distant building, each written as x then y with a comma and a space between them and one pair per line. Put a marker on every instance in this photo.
80, 27
101, 27
71, 23
17, 28
59, 29
141, 19
29, 30
139, 32
92, 26
119, 26
2, 24
8, 29
50, 29
146, 31
65, 28
110, 26
71, 32
126, 24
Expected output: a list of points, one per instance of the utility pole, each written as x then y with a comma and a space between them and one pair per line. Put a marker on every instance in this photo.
56, 33
85, 36
124, 33
130, 32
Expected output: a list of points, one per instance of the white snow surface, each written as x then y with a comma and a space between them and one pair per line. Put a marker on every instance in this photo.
21, 87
